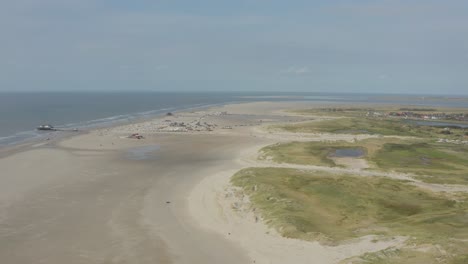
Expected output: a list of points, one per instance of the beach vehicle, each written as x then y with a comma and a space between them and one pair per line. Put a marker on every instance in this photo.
136, 136
46, 127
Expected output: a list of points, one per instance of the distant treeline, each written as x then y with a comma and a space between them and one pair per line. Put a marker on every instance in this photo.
418, 109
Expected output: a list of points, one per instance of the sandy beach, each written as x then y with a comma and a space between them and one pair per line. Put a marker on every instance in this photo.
101, 197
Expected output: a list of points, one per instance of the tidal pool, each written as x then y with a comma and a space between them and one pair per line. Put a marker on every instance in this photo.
348, 153
142, 153
437, 123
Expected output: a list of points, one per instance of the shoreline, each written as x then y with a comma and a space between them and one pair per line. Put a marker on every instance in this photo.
172, 204
83, 128
89, 196
137, 117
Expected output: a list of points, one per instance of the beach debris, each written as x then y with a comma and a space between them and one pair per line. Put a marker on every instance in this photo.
168, 202
136, 136
169, 114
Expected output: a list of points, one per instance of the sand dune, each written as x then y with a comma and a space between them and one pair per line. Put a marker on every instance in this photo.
85, 200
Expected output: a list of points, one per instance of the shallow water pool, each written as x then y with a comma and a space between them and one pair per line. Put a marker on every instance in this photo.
348, 153
142, 153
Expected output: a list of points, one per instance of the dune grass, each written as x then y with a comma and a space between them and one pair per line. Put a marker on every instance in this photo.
372, 126
357, 126
332, 208
436, 163
356, 111
430, 162
430, 255
306, 153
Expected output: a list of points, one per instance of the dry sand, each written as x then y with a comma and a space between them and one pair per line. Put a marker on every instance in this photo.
217, 207
91, 199
76, 204
86, 200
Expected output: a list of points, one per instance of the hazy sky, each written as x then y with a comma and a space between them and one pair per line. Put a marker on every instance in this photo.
398, 46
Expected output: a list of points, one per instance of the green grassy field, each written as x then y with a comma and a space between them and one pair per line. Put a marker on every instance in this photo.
356, 111
410, 256
332, 208
353, 126
430, 162
309, 153
373, 126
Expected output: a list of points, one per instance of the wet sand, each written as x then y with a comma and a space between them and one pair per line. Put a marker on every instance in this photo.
103, 198
68, 205
83, 200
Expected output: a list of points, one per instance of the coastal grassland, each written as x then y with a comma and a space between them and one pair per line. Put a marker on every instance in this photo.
431, 162
426, 255
428, 161
355, 111
372, 126
351, 126
335, 111
320, 153
314, 153
332, 208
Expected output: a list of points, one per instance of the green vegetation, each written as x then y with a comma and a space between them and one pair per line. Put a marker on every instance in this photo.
353, 126
340, 111
306, 153
431, 162
353, 111
396, 256
418, 109
332, 208
363, 125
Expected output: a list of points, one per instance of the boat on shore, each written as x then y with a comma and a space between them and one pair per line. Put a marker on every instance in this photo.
46, 128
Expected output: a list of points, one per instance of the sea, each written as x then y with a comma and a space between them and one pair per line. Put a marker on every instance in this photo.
22, 112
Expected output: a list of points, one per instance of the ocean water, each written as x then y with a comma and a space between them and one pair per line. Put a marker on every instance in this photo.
21, 113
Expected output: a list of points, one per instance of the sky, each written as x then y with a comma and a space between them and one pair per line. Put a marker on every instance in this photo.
354, 46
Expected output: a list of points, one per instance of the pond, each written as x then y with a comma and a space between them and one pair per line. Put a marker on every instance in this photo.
348, 153
142, 153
